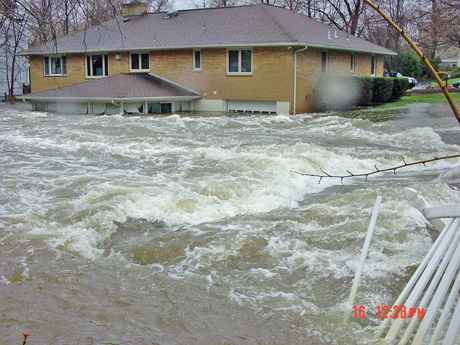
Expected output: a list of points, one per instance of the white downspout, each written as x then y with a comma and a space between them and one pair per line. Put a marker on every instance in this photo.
295, 77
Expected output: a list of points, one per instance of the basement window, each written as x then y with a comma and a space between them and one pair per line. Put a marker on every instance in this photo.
54, 65
97, 66
239, 62
197, 60
140, 62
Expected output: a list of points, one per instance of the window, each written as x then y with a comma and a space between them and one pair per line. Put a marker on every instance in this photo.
197, 60
97, 65
140, 62
373, 65
239, 62
54, 65
159, 108
352, 63
324, 62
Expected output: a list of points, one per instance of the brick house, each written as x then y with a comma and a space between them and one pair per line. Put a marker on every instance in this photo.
256, 58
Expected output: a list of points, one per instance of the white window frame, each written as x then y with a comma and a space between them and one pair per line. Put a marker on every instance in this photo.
327, 62
373, 66
239, 62
104, 67
49, 66
194, 60
352, 63
140, 69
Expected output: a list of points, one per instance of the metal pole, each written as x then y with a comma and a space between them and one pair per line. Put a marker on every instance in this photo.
367, 243
422, 56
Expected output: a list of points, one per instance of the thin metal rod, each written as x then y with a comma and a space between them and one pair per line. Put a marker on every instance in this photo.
367, 243
422, 56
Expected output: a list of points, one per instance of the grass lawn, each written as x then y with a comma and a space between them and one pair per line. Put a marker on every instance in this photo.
450, 81
427, 98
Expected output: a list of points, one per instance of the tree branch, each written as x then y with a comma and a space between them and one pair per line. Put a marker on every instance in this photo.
377, 170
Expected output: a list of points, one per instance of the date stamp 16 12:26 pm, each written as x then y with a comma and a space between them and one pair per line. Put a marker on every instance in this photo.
385, 312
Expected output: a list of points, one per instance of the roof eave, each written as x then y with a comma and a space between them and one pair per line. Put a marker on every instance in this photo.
275, 44
110, 99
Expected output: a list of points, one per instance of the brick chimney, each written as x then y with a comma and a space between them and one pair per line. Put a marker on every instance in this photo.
133, 9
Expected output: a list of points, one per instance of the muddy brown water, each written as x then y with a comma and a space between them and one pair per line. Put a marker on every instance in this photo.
192, 229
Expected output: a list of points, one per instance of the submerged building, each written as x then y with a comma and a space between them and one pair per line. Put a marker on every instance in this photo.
256, 58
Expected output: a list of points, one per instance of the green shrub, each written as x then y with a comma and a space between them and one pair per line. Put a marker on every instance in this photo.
382, 89
436, 63
410, 64
364, 86
400, 85
455, 73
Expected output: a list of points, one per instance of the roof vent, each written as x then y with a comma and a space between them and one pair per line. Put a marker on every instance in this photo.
328, 35
172, 14
133, 9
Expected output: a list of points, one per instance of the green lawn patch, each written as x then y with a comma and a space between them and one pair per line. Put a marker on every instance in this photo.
416, 98
450, 82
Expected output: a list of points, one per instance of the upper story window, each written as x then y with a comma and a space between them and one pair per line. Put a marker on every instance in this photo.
197, 60
54, 65
373, 65
239, 62
352, 63
97, 65
140, 62
324, 62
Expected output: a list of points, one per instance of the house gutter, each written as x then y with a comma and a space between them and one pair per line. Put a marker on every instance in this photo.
111, 99
295, 77
281, 44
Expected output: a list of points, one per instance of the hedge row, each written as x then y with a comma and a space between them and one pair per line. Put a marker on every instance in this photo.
335, 93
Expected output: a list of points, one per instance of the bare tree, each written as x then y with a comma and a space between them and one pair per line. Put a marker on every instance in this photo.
404, 14
160, 5
439, 25
13, 31
216, 3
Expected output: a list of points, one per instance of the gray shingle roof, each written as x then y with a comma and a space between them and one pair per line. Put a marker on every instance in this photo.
251, 25
119, 86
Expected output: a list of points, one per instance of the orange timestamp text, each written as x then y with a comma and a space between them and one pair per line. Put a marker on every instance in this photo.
396, 312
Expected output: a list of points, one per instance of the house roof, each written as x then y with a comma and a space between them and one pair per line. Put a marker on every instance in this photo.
120, 87
252, 25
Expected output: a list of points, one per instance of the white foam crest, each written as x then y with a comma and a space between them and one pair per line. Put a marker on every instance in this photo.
280, 119
264, 272
204, 257
175, 119
28, 114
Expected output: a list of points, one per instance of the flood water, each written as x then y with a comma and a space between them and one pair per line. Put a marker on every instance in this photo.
193, 229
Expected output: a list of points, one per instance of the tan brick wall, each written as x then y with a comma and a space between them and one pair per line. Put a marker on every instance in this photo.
272, 79
76, 72
75, 65
118, 66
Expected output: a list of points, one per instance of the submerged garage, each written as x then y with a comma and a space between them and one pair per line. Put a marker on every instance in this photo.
242, 106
